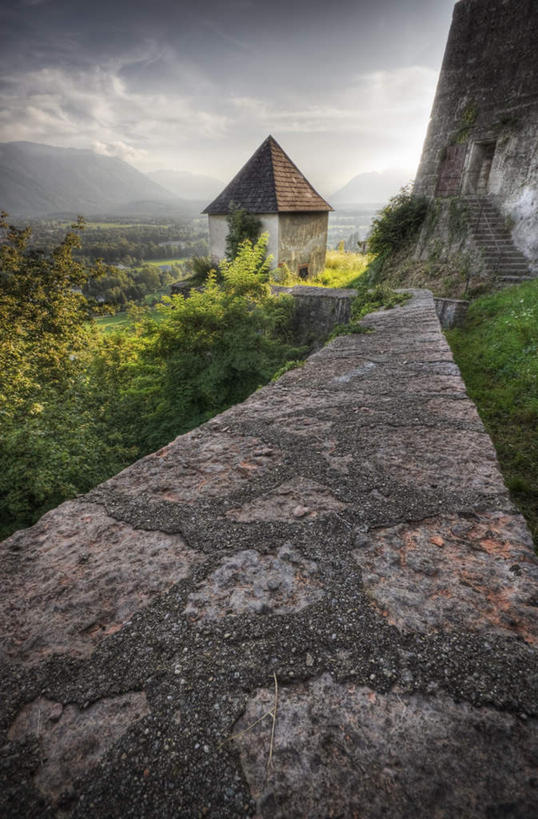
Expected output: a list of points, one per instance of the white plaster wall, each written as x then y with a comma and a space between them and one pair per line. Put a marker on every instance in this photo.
218, 231
270, 225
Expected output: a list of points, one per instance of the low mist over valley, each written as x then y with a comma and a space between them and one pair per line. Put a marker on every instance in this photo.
41, 180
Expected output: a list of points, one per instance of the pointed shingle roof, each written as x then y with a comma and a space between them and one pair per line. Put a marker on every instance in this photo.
269, 183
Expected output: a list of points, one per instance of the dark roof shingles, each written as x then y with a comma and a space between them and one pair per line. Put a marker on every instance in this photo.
269, 183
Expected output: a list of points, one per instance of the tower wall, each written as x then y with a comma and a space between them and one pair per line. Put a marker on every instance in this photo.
483, 134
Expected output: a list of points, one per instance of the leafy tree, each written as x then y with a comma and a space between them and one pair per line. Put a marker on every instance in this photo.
77, 406
398, 222
241, 225
54, 441
217, 346
42, 314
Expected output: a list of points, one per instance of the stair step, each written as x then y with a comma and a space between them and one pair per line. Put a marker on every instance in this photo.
496, 253
505, 258
494, 241
499, 262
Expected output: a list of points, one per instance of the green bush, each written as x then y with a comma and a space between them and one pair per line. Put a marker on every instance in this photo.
241, 226
398, 223
77, 405
198, 269
216, 347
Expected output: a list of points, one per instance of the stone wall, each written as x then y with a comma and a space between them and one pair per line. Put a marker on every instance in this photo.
318, 310
321, 602
484, 125
303, 241
451, 312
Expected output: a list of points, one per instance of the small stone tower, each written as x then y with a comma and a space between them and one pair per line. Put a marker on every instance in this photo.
293, 214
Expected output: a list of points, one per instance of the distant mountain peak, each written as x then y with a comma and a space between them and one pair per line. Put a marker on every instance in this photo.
38, 179
371, 186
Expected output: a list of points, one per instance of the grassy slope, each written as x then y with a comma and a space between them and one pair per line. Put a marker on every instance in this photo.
342, 269
497, 352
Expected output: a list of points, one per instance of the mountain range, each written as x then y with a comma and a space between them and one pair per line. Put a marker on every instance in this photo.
43, 180
369, 188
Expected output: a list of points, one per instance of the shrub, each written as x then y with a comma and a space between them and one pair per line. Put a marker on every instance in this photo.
398, 223
198, 269
241, 226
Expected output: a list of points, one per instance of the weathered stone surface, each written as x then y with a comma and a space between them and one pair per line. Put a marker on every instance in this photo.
71, 741
454, 573
317, 310
197, 464
347, 530
250, 583
345, 750
291, 501
482, 134
451, 312
77, 576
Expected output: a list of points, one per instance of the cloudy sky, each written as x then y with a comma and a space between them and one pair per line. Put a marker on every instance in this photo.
345, 86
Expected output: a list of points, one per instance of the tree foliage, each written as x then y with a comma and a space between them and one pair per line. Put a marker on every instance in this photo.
218, 345
53, 437
76, 405
398, 223
241, 226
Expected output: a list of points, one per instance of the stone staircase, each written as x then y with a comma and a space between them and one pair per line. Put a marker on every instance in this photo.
502, 259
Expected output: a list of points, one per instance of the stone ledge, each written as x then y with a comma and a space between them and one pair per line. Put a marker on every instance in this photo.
345, 535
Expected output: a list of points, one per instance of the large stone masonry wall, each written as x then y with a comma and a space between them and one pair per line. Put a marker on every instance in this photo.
488, 95
320, 603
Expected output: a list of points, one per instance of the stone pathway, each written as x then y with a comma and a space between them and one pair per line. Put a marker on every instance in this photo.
320, 603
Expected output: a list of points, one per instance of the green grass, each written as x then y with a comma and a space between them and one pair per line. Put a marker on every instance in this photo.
89, 225
342, 269
158, 262
497, 353
122, 320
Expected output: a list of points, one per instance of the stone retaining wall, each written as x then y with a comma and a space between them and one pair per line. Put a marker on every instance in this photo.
320, 603
450, 312
318, 310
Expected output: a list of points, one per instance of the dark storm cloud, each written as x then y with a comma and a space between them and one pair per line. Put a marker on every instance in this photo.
198, 85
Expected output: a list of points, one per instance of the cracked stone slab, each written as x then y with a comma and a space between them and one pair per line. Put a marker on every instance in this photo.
198, 464
77, 576
73, 740
451, 459
250, 583
449, 572
296, 500
346, 750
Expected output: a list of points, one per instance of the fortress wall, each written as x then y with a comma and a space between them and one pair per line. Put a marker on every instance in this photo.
318, 603
488, 95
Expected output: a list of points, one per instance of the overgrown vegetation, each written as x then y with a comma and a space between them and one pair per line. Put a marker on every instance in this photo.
398, 223
368, 300
242, 226
342, 269
77, 405
497, 353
